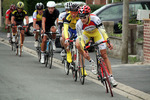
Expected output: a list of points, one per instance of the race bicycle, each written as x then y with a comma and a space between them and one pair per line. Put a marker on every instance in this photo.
49, 50
18, 38
102, 71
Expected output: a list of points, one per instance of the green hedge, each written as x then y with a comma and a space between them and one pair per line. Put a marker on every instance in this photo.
6, 4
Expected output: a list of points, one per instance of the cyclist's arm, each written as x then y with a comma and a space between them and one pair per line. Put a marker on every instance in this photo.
60, 25
34, 20
6, 21
43, 23
27, 20
13, 19
80, 36
66, 27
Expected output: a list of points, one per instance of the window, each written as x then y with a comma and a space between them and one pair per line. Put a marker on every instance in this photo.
113, 12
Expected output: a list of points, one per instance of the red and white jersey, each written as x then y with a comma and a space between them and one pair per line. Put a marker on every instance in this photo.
8, 12
94, 22
61, 17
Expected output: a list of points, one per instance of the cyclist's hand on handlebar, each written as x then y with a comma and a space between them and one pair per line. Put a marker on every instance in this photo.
67, 42
12, 25
42, 31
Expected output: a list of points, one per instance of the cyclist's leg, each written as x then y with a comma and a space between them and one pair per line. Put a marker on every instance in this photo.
103, 51
53, 30
14, 31
8, 30
36, 35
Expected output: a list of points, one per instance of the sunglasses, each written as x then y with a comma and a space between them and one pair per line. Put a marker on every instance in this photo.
74, 12
84, 17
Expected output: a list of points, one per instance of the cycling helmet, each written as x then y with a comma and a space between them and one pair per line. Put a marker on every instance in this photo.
84, 10
68, 5
51, 4
20, 5
12, 7
39, 6
74, 7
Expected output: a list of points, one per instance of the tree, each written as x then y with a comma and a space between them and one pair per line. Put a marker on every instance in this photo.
125, 31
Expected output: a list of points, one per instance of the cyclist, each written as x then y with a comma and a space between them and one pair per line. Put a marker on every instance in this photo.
70, 29
37, 20
89, 26
60, 23
17, 19
8, 18
48, 22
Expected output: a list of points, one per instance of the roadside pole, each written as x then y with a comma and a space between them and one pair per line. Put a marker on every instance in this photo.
125, 32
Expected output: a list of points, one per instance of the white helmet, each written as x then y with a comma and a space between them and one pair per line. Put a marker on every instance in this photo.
68, 5
51, 4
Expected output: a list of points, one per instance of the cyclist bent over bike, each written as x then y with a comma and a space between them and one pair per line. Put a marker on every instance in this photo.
69, 28
48, 22
60, 24
8, 18
17, 19
89, 26
37, 20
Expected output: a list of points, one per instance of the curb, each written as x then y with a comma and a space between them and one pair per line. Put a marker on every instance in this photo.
121, 89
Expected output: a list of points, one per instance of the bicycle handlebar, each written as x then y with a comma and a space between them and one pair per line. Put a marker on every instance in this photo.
51, 33
19, 26
96, 44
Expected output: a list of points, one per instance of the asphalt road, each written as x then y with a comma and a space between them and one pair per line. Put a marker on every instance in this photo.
23, 78
134, 76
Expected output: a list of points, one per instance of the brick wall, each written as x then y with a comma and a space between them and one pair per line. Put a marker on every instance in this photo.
146, 47
96, 2
89, 2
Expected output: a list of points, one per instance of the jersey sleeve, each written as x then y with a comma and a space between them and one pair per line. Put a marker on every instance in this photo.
79, 28
13, 13
7, 14
44, 14
26, 14
61, 17
34, 15
97, 21
66, 19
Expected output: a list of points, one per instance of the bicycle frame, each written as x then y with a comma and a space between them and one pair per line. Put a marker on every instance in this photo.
103, 73
18, 39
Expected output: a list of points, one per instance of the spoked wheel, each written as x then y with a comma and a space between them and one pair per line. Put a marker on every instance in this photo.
106, 80
46, 59
74, 72
39, 54
50, 55
66, 67
81, 71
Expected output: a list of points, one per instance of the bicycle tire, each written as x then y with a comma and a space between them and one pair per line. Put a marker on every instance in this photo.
50, 54
81, 75
107, 82
66, 67
74, 72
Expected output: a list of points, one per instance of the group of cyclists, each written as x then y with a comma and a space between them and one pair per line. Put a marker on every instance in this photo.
76, 20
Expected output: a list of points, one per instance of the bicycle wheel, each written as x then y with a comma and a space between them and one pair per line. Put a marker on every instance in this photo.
81, 71
66, 66
50, 54
74, 72
106, 80
39, 54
